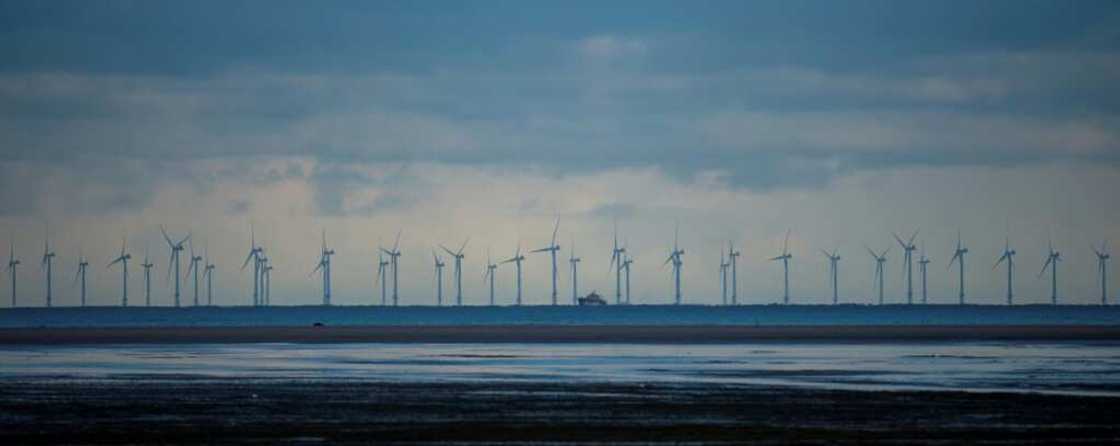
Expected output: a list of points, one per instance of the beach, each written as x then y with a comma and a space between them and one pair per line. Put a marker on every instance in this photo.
186, 411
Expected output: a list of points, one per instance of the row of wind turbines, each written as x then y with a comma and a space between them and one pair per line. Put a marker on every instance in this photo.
620, 264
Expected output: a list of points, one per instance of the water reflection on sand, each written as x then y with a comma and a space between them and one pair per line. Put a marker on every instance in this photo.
1064, 367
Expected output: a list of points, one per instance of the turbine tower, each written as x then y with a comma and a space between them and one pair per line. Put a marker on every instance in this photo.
958, 256
458, 256
439, 278
82, 265
908, 262
784, 257
147, 279
923, 267
833, 275
489, 274
381, 264
48, 260
517, 259
1102, 269
176, 248
394, 255
208, 274
266, 279
13, 262
123, 259
880, 259
1052, 260
551, 249
1008, 256
324, 268
574, 262
733, 257
723, 265
626, 267
675, 258
616, 263
194, 268
254, 255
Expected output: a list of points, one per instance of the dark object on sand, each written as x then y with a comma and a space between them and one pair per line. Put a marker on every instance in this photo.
317, 324
592, 299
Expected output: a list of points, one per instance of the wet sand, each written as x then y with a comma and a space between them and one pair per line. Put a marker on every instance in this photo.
555, 333
191, 411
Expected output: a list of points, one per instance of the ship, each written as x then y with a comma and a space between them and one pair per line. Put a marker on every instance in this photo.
591, 299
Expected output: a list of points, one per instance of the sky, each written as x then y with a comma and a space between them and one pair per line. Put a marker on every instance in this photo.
841, 122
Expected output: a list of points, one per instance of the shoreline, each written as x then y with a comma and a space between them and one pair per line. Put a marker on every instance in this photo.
654, 334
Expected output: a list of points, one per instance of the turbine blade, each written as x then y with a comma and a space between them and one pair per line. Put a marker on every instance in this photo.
900, 242
397, 243
464, 246
555, 228
165, 236
912, 237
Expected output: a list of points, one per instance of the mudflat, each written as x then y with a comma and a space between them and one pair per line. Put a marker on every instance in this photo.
204, 410
553, 333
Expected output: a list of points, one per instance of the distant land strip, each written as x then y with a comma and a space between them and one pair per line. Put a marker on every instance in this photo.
669, 334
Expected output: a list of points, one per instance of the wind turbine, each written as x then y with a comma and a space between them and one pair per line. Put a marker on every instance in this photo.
723, 265
489, 274
733, 257
675, 258
458, 256
208, 274
551, 249
82, 265
394, 255
439, 278
626, 266
574, 262
1008, 255
324, 268
908, 262
1052, 260
13, 262
1102, 269
194, 268
176, 248
123, 259
48, 259
147, 279
266, 279
923, 267
880, 259
381, 264
254, 255
517, 259
784, 257
616, 263
833, 273
958, 256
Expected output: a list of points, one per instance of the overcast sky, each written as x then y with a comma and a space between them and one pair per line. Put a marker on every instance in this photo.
840, 121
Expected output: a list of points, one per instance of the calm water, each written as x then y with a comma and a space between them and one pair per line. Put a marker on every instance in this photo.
1065, 367
636, 314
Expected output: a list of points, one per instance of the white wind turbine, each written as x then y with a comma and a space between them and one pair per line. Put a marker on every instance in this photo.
880, 259
81, 275
193, 268
13, 263
552, 248
1008, 256
675, 259
1102, 269
1052, 260
908, 262
394, 257
381, 265
255, 253
616, 264
176, 248
439, 278
458, 256
733, 257
48, 259
489, 274
574, 262
958, 256
784, 257
833, 273
516, 260
123, 259
147, 278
